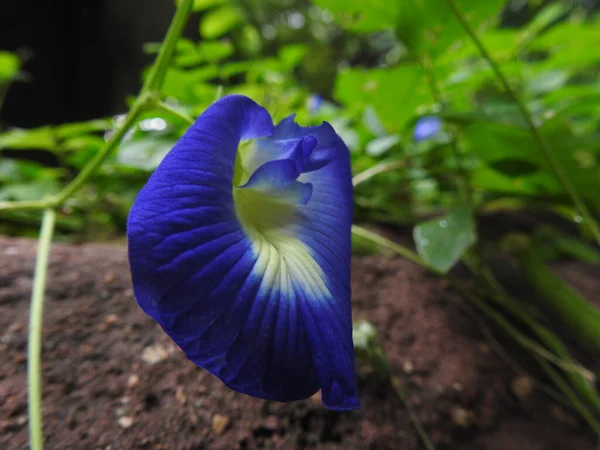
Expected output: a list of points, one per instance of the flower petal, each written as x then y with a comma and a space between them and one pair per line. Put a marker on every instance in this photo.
254, 287
324, 229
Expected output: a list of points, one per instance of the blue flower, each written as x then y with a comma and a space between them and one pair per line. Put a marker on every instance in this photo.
315, 102
427, 127
239, 247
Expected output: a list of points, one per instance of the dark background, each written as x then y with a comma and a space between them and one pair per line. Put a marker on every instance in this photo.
82, 58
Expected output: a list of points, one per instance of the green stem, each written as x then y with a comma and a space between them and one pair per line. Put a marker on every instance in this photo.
540, 356
162, 106
157, 74
402, 251
28, 204
376, 170
138, 107
571, 395
552, 342
537, 134
397, 386
146, 99
34, 352
526, 342
563, 301
464, 184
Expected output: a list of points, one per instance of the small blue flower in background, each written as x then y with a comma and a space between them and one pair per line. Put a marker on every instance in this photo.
315, 101
427, 127
239, 247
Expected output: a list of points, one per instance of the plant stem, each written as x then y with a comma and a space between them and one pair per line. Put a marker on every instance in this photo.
571, 395
549, 339
397, 386
34, 352
147, 98
376, 170
90, 168
27, 204
402, 251
162, 106
464, 184
541, 357
158, 71
535, 131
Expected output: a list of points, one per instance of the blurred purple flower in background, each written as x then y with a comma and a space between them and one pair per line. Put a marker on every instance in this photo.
315, 101
427, 127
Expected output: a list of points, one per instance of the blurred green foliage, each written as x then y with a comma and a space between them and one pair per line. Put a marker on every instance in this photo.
379, 66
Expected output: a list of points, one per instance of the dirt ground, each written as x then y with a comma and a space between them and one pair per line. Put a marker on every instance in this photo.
113, 380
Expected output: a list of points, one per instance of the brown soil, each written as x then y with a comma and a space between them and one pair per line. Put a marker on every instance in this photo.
113, 380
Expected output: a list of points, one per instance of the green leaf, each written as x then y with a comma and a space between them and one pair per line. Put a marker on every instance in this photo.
145, 153
36, 138
251, 40
87, 142
219, 21
514, 167
213, 51
441, 242
549, 14
292, 55
234, 68
395, 94
69, 130
9, 66
182, 84
32, 190
373, 123
547, 81
381, 145
564, 302
566, 244
200, 5
363, 16
493, 143
10, 171
430, 26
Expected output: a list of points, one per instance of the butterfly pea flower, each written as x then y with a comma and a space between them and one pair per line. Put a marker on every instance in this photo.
239, 247
427, 127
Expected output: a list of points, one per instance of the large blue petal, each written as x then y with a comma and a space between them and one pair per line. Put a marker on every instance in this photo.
325, 229
253, 287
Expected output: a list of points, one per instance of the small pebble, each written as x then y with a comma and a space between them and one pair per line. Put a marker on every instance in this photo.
462, 417
180, 395
219, 423
271, 423
125, 422
522, 386
109, 277
133, 381
111, 318
458, 387
154, 354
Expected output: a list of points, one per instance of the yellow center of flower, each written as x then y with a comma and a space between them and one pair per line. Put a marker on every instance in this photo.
283, 260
